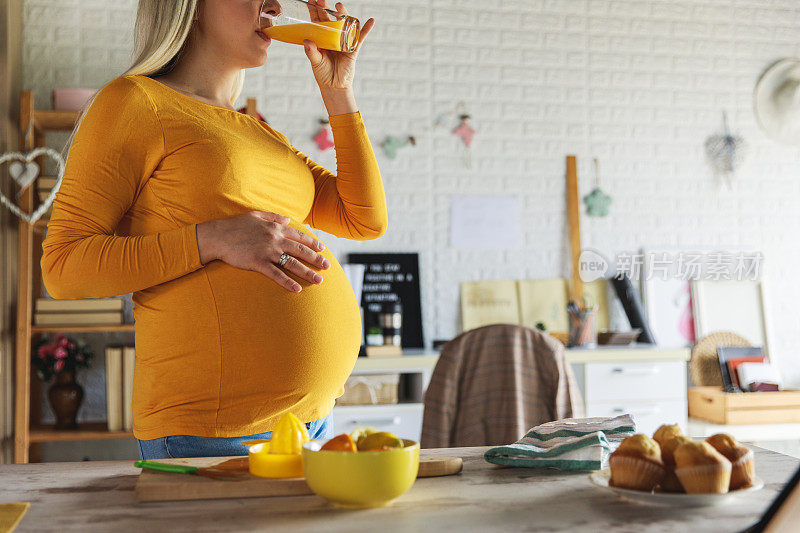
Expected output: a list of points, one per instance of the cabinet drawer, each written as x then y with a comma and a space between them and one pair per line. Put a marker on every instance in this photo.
639, 380
404, 420
647, 415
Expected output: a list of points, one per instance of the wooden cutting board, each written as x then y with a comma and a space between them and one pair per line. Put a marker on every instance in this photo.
154, 486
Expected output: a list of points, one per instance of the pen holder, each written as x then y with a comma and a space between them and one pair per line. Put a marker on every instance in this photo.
583, 331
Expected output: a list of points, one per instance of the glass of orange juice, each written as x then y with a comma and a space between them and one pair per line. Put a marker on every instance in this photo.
291, 21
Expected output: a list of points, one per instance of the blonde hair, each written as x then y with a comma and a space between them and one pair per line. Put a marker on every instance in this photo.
160, 33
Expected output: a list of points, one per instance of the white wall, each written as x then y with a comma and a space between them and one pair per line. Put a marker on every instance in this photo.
639, 84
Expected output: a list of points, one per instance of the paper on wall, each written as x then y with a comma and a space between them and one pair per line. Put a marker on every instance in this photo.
484, 222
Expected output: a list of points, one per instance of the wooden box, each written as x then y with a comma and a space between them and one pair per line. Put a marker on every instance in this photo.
376, 389
713, 405
386, 350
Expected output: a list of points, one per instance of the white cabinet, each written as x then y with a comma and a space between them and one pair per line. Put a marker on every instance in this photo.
647, 415
652, 392
402, 419
652, 380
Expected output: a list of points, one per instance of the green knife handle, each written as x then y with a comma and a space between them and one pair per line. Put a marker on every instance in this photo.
165, 467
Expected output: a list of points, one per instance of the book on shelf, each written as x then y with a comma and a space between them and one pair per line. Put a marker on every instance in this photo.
545, 301
85, 304
114, 367
120, 362
106, 318
489, 302
128, 363
527, 302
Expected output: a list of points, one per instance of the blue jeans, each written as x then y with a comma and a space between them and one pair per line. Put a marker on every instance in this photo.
191, 446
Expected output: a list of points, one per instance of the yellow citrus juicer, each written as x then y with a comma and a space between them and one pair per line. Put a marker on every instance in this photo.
281, 456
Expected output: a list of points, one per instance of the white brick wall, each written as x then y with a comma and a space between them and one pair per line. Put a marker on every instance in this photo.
639, 84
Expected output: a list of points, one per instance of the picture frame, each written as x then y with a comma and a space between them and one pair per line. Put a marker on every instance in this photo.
668, 299
739, 306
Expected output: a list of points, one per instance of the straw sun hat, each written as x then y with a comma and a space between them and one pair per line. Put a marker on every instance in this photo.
704, 365
776, 101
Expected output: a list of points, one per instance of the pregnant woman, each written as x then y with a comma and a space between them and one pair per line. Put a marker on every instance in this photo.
242, 314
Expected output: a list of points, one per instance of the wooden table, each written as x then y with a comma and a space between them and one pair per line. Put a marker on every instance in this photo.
99, 496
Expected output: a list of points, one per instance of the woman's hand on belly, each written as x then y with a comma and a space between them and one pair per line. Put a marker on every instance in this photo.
256, 240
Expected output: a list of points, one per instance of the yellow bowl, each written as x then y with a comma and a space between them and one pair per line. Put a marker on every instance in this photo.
278, 465
360, 479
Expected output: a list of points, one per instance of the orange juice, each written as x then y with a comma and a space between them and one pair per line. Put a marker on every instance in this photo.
326, 34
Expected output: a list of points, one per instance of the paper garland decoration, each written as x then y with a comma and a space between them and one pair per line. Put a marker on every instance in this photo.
392, 144
323, 137
464, 131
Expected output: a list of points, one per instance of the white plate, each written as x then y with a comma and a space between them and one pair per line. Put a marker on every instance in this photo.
601, 478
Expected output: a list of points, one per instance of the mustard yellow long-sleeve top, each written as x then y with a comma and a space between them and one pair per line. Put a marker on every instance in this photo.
220, 351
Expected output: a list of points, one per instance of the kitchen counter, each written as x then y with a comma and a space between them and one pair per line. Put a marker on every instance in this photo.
418, 360
99, 496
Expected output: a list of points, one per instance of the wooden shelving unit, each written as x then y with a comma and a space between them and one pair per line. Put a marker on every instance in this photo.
87, 431
28, 430
81, 329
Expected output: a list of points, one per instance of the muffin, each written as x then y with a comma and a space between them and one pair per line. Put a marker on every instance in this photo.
741, 457
670, 482
702, 469
665, 433
637, 464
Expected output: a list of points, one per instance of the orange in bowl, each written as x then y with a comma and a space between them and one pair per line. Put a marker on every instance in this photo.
363, 478
340, 443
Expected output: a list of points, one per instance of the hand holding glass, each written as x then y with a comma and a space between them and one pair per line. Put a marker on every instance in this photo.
291, 21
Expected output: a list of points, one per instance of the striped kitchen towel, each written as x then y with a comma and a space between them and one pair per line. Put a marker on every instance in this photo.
568, 444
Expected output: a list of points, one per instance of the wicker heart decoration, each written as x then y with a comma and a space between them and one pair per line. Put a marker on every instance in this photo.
24, 172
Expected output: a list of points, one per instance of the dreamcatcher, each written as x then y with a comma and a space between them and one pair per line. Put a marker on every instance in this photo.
725, 152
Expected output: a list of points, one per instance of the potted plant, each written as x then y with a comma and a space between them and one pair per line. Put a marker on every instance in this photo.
61, 358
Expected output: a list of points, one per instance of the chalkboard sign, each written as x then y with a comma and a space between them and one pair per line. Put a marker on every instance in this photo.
391, 278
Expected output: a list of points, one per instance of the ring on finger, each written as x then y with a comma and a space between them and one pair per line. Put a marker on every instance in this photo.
284, 258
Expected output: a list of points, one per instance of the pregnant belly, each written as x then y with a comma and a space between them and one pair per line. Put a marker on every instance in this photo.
285, 345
